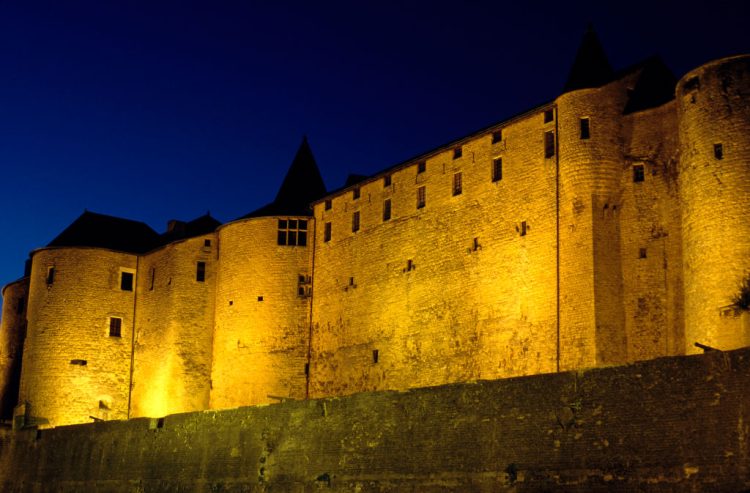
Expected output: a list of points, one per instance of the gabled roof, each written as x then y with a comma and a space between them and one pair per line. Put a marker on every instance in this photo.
102, 231
591, 67
301, 186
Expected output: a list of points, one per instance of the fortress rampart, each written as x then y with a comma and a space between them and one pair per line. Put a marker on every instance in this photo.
580, 234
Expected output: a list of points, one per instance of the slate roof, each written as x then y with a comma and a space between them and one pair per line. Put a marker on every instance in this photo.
180, 230
102, 231
591, 67
301, 186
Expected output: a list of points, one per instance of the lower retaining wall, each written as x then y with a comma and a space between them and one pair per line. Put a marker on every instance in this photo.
673, 424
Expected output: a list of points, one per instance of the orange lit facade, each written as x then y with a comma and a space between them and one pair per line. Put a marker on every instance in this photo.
605, 227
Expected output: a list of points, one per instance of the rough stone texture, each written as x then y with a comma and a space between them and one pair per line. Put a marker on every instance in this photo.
713, 104
12, 335
260, 347
174, 321
68, 320
672, 424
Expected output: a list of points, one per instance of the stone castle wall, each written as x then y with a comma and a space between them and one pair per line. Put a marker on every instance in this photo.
262, 319
12, 335
671, 424
72, 367
174, 321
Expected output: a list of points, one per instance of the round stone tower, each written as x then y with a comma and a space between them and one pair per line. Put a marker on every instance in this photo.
714, 180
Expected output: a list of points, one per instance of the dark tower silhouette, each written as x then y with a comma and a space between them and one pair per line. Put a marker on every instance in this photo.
591, 67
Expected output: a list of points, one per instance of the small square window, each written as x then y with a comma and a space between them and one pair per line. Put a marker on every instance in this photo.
638, 173
355, 221
355, 193
260, 298
497, 136
585, 129
126, 281
387, 210
115, 327
497, 169
718, 151
50, 275
328, 204
458, 152
200, 272
206, 243
327, 232
421, 197
386, 181
457, 184
549, 115
421, 167
642, 253
549, 144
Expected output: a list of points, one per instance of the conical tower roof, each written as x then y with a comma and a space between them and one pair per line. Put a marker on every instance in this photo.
302, 185
591, 67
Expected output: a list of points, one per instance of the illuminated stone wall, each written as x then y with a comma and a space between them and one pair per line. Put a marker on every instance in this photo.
174, 321
72, 368
450, 292
713, 109
12, 333
672, 424
262, 321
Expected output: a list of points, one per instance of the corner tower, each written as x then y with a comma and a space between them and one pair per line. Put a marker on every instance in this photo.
264, 273
714, 179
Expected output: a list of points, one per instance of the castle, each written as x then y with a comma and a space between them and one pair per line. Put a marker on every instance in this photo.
605, 227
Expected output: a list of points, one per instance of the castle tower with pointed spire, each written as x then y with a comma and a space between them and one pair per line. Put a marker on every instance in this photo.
579, 234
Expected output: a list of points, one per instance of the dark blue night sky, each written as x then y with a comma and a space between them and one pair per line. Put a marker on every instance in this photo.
166, 109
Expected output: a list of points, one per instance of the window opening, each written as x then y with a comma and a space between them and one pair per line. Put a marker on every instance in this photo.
458, 152
126, 281
355, 221
387, 210
292, 232
642, 253
153, 278
457, 184
549, 115
200, 272
549, 144
327, 232
355, 193
421, 197
50, 275
524, 228
206, 243
638, 173
497, 136
328, 204
497, 169
375, 355
585, 128
386, 181
79, 362
115, 327
718, 151
421, 167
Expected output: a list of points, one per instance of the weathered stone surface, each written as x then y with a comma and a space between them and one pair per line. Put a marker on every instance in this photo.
671, 424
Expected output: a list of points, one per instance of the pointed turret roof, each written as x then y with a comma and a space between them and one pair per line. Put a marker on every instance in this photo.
102, 231
302, 185
591, 67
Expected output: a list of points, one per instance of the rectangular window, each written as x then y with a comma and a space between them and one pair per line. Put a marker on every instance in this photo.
207, 243
328, 204
355, 221
457, 184
387, 210
638, 173
421, 167
327, 232
126, 281
386, 181
355, 193
200, 272
549, 115
549, 144
642, 253
153, 278
524, 228
50, 275
375, 355
585, 129
421, 197
718, 151
292, 232
115, 327
497, 169
458, 152
497, 136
